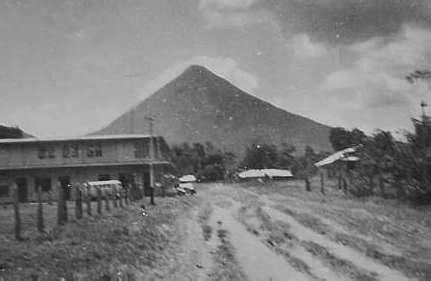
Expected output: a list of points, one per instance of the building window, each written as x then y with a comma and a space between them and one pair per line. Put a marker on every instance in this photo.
94, 150
4, 191
142, 149
70, 151
46, 152
74, 151
44, 183
41, 153
51, 152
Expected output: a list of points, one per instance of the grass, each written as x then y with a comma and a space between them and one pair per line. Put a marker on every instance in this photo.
397, 224
336, 263
119, 243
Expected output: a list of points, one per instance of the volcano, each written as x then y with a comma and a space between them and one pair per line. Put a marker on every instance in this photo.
199, 106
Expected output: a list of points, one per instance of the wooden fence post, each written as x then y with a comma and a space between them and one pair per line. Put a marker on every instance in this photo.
114, 198
17, 213
121, 196
381, 182
346, 181
322, 182
88, 200
65, 212
107, 206
307, 184
78, 202
40, 223
126, 195
99, 200
61, 206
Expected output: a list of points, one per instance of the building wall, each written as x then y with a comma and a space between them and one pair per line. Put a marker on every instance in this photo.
134, 173
48, 161
76, 153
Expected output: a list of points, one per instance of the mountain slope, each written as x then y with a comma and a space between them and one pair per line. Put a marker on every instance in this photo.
199, 106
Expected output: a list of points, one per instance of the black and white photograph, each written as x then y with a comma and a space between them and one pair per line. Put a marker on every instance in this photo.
244, 140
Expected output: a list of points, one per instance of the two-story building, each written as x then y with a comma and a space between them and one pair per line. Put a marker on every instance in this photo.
51, 163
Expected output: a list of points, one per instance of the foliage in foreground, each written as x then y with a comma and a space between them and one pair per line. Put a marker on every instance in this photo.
389, 167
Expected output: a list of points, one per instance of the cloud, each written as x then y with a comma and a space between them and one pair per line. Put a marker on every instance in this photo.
227, 68
227, 4
233, 13
375, 85
304, 48
348, 21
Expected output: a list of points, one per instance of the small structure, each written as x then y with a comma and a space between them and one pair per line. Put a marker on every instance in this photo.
187, 178
342, 155
345, 156
265, 173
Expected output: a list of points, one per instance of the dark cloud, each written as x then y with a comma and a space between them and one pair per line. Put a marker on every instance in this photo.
347, 21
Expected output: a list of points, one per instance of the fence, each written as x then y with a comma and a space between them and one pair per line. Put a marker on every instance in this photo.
112, 199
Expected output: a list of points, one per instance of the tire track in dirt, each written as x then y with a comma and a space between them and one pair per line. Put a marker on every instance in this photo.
284, 243
257, 260
335, 227
346, 253
309, 209
374, 246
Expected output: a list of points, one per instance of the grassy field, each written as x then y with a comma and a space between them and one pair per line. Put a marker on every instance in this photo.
394, 233
237, 231
120, 243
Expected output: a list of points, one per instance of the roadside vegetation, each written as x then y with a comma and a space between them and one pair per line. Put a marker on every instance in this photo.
122, 244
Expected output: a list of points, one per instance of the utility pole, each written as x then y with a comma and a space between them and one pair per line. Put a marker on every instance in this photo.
424, 144
151, 166
411, 78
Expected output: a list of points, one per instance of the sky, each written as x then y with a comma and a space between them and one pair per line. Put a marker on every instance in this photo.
69, 67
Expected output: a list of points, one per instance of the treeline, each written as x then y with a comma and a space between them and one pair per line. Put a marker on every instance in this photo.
285, 156
210, 164
203, 160
388, 167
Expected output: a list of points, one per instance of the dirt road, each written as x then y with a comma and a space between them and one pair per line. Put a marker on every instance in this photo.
273, 231
237, 233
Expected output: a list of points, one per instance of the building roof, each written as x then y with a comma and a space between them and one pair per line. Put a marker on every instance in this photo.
83, 138
188, 178
343, 155
254, 173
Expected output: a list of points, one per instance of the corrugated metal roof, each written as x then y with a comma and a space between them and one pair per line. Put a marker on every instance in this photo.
253, 173
339, 155
83, 138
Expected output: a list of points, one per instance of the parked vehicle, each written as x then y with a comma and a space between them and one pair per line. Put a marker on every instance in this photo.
180, 191
186, 184
188, 187
107, 187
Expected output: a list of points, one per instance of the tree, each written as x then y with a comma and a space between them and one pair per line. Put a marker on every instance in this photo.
260, 156
382, 147
304, 166
286, 157
357, 137
205, 161
340, 138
